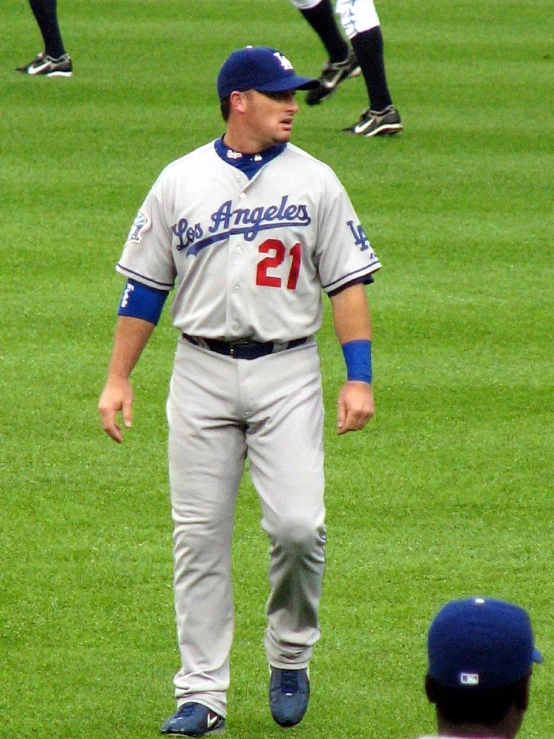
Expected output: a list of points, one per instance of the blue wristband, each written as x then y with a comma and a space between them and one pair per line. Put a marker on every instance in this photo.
141, 301
357, 355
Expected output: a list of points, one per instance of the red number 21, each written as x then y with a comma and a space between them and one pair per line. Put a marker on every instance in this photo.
279, 254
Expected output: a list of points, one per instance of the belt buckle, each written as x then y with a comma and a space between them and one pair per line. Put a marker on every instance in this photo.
233, 344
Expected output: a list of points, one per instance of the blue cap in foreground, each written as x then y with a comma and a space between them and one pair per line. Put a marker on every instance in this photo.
481, 643
259, 68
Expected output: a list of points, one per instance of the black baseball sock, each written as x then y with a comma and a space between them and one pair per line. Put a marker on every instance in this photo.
368, 46
46, 14
323, 21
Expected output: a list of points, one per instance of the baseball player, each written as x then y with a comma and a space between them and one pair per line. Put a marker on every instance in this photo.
247, 231
361, 24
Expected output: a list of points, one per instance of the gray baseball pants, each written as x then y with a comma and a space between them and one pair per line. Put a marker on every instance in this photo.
220, 409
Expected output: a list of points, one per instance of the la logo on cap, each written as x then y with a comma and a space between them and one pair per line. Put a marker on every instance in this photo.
469, 678
284, 61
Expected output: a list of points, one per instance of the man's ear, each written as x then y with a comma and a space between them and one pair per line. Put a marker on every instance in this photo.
237, 101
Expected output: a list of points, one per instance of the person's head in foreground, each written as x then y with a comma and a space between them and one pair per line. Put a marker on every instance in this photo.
256, 87
481, 653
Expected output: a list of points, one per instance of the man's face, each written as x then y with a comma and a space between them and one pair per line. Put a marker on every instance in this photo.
268, 116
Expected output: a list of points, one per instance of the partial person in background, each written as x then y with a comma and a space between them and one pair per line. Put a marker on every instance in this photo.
361, 24
481, 655
54, 61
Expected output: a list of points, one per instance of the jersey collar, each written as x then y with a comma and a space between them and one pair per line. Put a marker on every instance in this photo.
249, 164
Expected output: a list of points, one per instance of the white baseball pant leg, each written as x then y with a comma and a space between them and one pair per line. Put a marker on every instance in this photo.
356, 16
217, 408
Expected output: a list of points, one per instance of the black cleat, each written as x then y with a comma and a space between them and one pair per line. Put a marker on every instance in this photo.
377, 123
331, 77
48, 67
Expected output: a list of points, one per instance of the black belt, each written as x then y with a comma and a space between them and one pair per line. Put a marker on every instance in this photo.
243, 349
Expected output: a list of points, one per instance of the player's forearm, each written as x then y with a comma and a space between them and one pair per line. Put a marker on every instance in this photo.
351, 314
131, 336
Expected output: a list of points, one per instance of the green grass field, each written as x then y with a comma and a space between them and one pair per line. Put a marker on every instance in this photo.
448, 493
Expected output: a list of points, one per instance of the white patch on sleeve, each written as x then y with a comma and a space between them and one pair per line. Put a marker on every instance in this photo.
140, 224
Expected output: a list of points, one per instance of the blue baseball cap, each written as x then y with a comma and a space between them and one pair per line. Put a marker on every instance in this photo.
260, 68
480, 643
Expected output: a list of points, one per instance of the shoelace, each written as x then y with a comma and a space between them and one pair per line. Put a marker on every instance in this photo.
330, 69
289, 682
187, 709
329, 74
368, 113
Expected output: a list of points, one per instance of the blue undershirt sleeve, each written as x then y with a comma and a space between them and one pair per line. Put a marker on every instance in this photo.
141, 301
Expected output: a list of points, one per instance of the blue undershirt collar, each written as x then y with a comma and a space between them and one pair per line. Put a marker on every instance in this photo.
249, 164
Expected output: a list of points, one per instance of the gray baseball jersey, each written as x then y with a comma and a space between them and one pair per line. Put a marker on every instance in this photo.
247, 257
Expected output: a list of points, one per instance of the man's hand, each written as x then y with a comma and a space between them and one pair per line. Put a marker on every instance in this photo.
131, 336
116, 396
355, 406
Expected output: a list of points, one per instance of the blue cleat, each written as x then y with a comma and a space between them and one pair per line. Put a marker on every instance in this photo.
289, 692
194, 719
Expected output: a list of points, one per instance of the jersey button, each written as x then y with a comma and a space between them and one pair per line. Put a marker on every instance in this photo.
242, 195
236, 288
238, 250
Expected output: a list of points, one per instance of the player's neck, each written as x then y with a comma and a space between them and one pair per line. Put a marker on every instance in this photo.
243, 141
